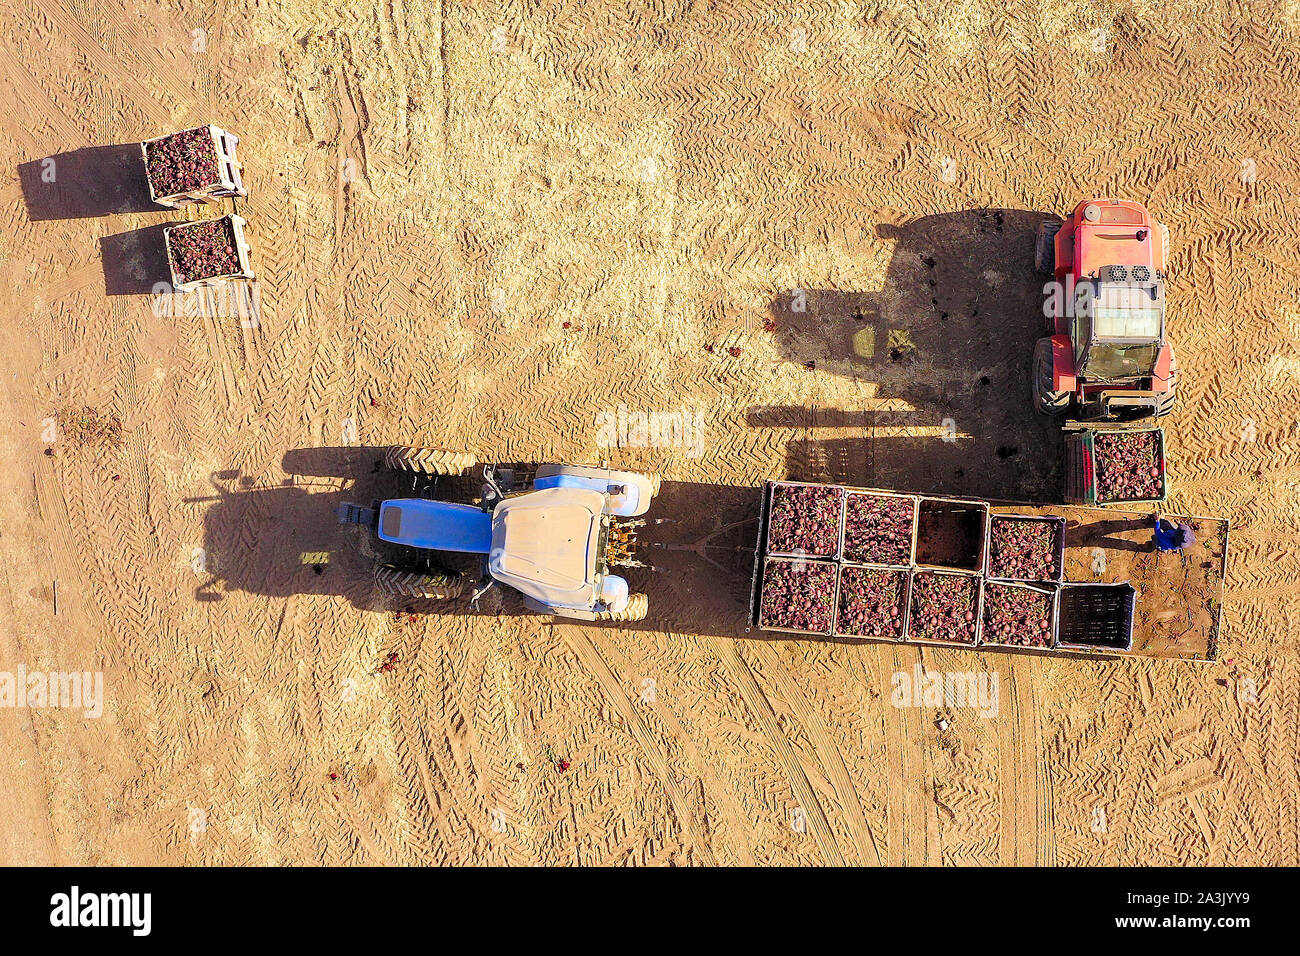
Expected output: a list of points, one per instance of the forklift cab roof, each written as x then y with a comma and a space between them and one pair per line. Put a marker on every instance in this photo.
1127, 312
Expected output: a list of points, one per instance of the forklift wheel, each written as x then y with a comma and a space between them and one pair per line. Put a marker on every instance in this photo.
1045, 246
638, 606
435, 586
1046, 400
1165, 400
427, 461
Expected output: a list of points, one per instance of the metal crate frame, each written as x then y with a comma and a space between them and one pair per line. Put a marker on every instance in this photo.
844, 526
1081, 467
242, 251
1056, 520
770, 493
975, 576
982, 506
1127, 625
835, 593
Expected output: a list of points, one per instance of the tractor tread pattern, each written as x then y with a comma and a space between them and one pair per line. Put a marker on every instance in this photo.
428, 461
436, 585
638, 606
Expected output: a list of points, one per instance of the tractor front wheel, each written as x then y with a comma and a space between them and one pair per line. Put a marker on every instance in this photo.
1047, 400
638, 606
1045, 246
429, 585
427, 461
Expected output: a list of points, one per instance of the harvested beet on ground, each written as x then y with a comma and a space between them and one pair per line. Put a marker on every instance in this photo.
805, 519
1128, 466
878, 530
204, 250
799, 595
871, 602
182, 162
943, 607
1024, 548
1019, 616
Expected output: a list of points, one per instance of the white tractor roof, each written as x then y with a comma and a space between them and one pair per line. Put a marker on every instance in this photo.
544, 545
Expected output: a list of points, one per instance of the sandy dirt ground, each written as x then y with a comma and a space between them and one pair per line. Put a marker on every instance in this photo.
484, 226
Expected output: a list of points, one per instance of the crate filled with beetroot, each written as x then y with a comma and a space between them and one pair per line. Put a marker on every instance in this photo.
944, 608
872, 603
879, 528
797, 595
207, 251
193, 165
1018, 615
1026, 548
950, 534
804, 520
1110, 466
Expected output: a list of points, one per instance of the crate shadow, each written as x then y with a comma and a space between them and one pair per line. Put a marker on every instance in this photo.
86, 183
135, 262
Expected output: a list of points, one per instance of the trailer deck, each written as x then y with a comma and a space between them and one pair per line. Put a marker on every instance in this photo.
1177, 610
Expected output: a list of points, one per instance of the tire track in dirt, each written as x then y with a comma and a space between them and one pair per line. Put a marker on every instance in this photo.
828, 754
760, 708
581, 645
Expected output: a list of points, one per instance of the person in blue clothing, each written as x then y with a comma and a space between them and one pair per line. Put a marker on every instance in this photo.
1172, 537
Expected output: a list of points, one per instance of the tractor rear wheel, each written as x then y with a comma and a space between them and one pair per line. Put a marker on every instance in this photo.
430, 585
638, 606
427, 461
1046, 399
1045, 246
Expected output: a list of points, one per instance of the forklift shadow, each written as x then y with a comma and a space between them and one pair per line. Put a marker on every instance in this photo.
947, 341
86, 183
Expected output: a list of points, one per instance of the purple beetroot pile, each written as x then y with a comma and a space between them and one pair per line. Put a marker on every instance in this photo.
871, 602
182, 162
943, 607
1128, 466
1016, 615
805, 519
878, 530
1024, 549
799, 595
203, 250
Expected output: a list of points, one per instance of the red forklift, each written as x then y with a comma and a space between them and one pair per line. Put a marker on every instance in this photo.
1110, 358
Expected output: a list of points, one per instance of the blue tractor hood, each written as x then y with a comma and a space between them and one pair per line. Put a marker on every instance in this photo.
436, 525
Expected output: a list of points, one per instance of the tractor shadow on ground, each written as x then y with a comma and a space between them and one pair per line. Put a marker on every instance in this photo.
86, 183
283, 539
948, 339
135, 262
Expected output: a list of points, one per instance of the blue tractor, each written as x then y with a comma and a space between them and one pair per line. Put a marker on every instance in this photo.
553, 536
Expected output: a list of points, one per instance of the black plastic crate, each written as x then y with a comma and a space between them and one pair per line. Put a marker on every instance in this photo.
1096, 616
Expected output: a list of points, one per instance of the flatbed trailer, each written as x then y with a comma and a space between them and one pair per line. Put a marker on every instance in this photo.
1114, 594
